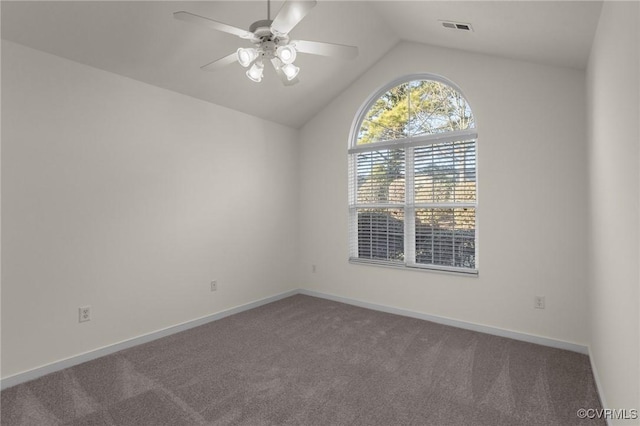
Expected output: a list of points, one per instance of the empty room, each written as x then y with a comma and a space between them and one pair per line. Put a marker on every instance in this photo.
320, 213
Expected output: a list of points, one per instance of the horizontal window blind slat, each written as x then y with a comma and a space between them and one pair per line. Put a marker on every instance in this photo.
380, 234
445, 236
380, 176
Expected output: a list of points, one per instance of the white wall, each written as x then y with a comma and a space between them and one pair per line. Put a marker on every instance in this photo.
131, 198
532, 197
614, 160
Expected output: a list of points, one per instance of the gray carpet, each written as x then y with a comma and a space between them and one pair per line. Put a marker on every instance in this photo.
309, 361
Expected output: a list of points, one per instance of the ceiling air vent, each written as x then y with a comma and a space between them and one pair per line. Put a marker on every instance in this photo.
457, 25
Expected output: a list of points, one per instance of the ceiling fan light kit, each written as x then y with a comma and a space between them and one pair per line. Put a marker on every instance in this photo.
269, 49
272, 42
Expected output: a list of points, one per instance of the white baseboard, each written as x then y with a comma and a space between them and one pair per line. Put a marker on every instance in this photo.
26, 376
544, 341
107, 350
599, 390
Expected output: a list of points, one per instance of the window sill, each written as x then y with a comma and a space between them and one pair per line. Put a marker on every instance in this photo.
425, 268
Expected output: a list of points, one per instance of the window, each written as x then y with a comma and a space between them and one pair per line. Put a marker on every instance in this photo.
412, 178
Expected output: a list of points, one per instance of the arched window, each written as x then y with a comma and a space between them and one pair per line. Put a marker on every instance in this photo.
412, 177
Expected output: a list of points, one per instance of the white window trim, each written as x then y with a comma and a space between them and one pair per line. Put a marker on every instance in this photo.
409, 205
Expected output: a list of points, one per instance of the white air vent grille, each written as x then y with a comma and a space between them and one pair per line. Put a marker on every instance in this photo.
464, 26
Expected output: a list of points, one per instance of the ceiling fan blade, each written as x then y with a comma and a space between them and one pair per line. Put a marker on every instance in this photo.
219, 63
290, 15
201, 20
283, 77
326, 49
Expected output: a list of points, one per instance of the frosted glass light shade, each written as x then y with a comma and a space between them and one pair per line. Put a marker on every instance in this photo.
246, 56
290, 70
255, 72
287, 54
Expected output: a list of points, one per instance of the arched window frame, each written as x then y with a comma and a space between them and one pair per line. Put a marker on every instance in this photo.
409, 206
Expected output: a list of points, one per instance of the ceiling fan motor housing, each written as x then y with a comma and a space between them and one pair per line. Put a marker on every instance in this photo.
261, 28
265, 40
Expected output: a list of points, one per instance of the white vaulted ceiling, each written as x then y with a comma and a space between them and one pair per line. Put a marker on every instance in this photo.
141, 40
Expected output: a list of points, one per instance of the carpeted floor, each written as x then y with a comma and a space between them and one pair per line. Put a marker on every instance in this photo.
309, 361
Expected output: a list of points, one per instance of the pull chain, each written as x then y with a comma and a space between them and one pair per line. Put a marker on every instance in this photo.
269, 10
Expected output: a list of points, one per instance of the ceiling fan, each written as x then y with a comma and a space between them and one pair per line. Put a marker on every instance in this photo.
272, 42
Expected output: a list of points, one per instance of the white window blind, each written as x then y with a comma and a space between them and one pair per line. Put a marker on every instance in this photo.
412, 179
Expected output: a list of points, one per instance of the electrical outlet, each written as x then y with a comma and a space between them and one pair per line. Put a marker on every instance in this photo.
214, 285
84, 314
538, 302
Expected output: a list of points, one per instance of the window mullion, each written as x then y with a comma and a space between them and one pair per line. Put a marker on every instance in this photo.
409, 210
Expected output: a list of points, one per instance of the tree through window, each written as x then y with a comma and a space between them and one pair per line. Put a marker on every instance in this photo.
412, 185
